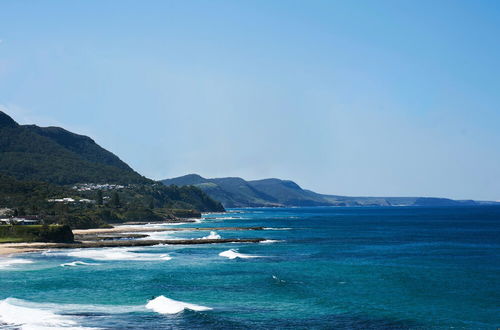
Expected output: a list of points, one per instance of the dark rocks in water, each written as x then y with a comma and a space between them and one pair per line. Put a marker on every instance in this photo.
163, 222
130, 243
95, 237
152, 230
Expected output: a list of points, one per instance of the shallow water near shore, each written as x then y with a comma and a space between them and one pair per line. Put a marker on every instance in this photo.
320, 268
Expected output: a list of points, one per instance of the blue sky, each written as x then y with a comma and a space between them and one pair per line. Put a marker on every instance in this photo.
393, 98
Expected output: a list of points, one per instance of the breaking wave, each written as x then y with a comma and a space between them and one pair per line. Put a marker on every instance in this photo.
157, 235
269, 241
213, 235
233, 254
113, 254
164, 305
7, 262
78, 263
272, 228
26, 315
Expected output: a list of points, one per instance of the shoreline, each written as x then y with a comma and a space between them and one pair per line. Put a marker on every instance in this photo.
14, 248
90, 238
7, 249
124, 229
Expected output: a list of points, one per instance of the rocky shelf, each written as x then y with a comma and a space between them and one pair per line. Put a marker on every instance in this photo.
128, 243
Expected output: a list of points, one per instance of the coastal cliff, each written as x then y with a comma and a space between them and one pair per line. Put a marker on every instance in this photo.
237, 192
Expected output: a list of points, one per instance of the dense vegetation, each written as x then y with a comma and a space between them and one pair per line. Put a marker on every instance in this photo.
38, 165
55, 155
96, 208
36, 233
236, 192
232, 192
27, 195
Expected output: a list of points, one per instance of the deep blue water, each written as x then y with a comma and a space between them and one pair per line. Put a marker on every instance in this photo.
328, 268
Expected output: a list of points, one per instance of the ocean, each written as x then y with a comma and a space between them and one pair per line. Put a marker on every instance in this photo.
319, 268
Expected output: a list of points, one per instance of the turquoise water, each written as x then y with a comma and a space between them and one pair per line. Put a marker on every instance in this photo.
322, 268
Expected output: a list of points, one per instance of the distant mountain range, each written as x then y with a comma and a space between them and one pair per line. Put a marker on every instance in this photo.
53, 155
236, 192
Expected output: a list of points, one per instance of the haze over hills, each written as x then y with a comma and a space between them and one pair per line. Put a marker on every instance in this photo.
58, 157
236, 192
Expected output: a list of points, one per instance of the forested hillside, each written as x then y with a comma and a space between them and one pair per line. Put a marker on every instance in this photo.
67, 178
236, 192
54, 155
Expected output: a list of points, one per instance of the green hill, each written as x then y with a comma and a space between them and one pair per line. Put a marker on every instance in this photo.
236, 192
232, 192
52, 154
40, 165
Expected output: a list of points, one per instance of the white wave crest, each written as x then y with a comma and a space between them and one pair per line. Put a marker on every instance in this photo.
213, 235
78, 263
164, 305
272, 228
167, 225
222, 218
277, 279
7, 262
269, 241
113, 254
233, 254
14, 312
156, 235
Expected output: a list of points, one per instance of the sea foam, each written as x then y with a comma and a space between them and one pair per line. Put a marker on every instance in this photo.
164, 305
213, 235
23, 314
269, 241
273, 228
233, 254
78, 263
156, 235
16, 313
7, 262
113, 254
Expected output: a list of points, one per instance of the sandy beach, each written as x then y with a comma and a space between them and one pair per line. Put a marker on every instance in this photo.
81, 241
12, 248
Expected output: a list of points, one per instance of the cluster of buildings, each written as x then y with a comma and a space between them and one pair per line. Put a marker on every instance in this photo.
70, 200
95, 186
25, 220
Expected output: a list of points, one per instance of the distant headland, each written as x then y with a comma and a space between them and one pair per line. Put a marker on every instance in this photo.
234, 192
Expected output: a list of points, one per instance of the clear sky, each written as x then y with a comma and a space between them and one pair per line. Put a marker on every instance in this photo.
392, 98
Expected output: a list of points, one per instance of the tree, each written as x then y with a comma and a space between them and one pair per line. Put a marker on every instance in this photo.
20, 211
99, 197
115, 199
